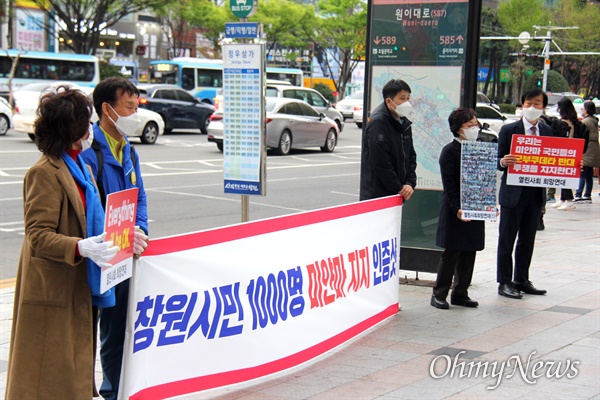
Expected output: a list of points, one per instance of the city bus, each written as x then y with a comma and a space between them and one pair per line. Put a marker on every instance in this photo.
38, 66
203, 78
128, 68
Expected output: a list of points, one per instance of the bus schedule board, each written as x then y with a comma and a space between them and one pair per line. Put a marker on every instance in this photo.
244, 151
545, 161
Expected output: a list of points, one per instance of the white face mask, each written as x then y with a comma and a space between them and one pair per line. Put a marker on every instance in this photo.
128, 124
402, 109
471, 134
519, 113
87, 143
532, 113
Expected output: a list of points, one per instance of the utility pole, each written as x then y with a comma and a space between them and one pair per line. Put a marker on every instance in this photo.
546, 51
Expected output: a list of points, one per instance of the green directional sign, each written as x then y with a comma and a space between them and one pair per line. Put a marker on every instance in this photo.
243, 8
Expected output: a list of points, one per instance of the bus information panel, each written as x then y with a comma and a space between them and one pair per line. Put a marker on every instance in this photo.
424, 43
244, 152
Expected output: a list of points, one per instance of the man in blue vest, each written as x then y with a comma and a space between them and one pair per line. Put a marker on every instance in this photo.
116, 167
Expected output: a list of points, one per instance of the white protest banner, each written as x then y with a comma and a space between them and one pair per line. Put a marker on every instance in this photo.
119, 224
228, 305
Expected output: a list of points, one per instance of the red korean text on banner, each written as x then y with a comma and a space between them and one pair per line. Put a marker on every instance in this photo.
545, 161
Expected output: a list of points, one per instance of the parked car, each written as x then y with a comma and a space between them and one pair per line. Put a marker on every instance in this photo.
27, 99
26, 103
150, 129
482, 98
349, 104
6, 121
487, 114
309, 96
291, 124
554, 98
357, 116
486, 134
552, 110
179, 109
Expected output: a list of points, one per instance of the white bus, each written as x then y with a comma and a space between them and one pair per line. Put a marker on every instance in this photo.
37, 66
203, 78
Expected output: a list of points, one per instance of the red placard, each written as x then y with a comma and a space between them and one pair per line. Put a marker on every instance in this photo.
545, 161
119, 224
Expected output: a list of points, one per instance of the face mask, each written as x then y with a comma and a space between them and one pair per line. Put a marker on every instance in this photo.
471, 134
87, 143
519, 113
402, 109
127, 124
532, 113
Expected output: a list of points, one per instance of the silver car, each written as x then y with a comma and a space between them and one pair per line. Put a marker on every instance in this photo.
309, 96
291, 124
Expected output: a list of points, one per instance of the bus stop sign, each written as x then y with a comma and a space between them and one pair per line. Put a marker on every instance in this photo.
243, 8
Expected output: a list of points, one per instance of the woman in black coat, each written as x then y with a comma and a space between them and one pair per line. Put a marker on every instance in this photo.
461, 238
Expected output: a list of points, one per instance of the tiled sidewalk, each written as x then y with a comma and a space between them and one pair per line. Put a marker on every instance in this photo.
393, 360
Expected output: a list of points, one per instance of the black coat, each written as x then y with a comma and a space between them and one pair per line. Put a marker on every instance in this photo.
389, 160
452, 233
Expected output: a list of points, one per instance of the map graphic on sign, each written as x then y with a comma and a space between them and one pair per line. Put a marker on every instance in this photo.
434, 94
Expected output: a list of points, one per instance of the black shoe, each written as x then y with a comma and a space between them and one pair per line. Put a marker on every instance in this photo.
508, 290
540, 225
463, 301
439, 303
527, 287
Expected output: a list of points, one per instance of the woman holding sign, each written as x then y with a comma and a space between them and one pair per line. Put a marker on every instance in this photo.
53, 329
461, 238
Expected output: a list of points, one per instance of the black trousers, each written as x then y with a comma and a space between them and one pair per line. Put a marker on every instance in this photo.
522, 221
457, 263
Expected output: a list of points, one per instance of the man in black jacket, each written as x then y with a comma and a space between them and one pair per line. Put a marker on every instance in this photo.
389, 161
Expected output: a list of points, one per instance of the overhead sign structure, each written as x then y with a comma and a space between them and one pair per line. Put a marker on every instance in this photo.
244, 150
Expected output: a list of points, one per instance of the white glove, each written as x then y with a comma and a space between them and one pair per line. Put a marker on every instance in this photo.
140, 241
98, 251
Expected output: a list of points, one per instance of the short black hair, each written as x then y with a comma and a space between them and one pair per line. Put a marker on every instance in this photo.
393, 87
518, 105
63, 117
535, 92
459, 117
107, 90
590, 107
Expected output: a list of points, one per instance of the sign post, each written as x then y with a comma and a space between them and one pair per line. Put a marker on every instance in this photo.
244, 148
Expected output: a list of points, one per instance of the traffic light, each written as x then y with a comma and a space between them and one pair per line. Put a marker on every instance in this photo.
539, 82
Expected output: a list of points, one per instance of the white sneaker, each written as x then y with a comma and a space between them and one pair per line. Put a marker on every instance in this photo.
557, 204
567, 206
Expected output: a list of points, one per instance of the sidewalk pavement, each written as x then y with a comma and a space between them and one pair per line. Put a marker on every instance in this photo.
394, 359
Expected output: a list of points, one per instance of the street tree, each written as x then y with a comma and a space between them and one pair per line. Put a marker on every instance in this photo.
341, 29
581, 71
80, 22
181, 17
516, 16
284, 23
495, 51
